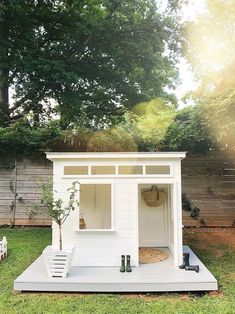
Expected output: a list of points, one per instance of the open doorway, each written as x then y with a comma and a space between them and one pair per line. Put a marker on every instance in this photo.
155, 223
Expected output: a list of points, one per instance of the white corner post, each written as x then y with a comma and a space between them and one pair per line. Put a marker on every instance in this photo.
179, 218
177, 205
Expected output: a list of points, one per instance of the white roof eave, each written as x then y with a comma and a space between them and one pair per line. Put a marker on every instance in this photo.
113, 155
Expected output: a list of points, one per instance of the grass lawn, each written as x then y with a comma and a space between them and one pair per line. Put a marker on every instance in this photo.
215, 247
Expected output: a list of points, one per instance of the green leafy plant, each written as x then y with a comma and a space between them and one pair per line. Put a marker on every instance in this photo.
187, 206
202, 221
56, 208
189, 131
22, 138
195, 212
31, 212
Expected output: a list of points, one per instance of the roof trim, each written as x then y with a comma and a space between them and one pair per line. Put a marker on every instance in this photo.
114, 155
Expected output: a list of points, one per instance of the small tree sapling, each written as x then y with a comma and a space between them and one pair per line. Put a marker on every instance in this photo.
56, 208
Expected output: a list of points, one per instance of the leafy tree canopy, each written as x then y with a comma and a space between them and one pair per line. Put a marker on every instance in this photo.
142, 129
219, 114
84, 61
22, 139
190, 132
148, 123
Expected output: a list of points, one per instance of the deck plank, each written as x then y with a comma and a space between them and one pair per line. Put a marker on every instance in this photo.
159, 277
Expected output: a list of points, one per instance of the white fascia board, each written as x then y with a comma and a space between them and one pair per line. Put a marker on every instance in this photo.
128, 155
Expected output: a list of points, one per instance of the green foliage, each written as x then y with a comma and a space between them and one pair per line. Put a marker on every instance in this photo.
31, 211
186, 204
148, 122
56, 208
86, 62
210, 45
195, 212
142, 129
82, 139
189, 131
150, 126
219, 112
110, 140
21, 138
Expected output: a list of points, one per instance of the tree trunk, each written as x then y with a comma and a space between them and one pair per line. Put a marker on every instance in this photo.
4, 98
60, 232
4, 71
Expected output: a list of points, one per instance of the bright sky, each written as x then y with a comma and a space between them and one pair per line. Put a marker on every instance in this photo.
188, 81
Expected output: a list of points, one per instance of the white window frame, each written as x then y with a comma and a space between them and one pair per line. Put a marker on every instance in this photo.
116, 175
98, 182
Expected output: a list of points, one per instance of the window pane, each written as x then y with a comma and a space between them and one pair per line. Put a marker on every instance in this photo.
130, 169
157, 169
95, 206
70, 170
102, 170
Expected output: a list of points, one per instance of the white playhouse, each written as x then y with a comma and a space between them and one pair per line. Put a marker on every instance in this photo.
129, 208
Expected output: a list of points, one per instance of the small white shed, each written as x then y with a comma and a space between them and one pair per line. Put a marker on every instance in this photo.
117, 216
117, 219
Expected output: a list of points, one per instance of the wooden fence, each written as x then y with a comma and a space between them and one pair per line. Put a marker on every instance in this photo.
20, 193
208, 182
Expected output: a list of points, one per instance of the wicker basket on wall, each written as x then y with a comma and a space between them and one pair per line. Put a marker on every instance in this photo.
154, 197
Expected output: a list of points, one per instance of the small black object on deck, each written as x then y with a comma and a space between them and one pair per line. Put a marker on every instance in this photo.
122, 268
128, 264
186, 264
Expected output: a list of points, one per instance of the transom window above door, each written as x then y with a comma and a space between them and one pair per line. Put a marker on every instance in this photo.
119, 170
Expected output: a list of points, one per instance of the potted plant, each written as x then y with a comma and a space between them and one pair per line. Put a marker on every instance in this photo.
58, 259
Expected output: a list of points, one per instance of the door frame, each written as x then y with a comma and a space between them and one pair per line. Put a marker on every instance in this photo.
176, 211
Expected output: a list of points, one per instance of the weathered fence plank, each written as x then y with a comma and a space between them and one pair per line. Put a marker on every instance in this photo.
209, 183
20, 195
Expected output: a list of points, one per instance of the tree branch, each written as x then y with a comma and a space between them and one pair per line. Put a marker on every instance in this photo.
16, 117
15, 106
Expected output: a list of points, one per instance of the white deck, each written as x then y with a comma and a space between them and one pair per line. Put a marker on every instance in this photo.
159, 277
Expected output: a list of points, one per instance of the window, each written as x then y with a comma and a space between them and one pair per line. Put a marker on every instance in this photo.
130, 169
95, 206
96, 170
75, 170
157, 169
122, 170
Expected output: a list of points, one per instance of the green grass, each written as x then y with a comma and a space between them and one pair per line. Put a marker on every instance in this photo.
25, 244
